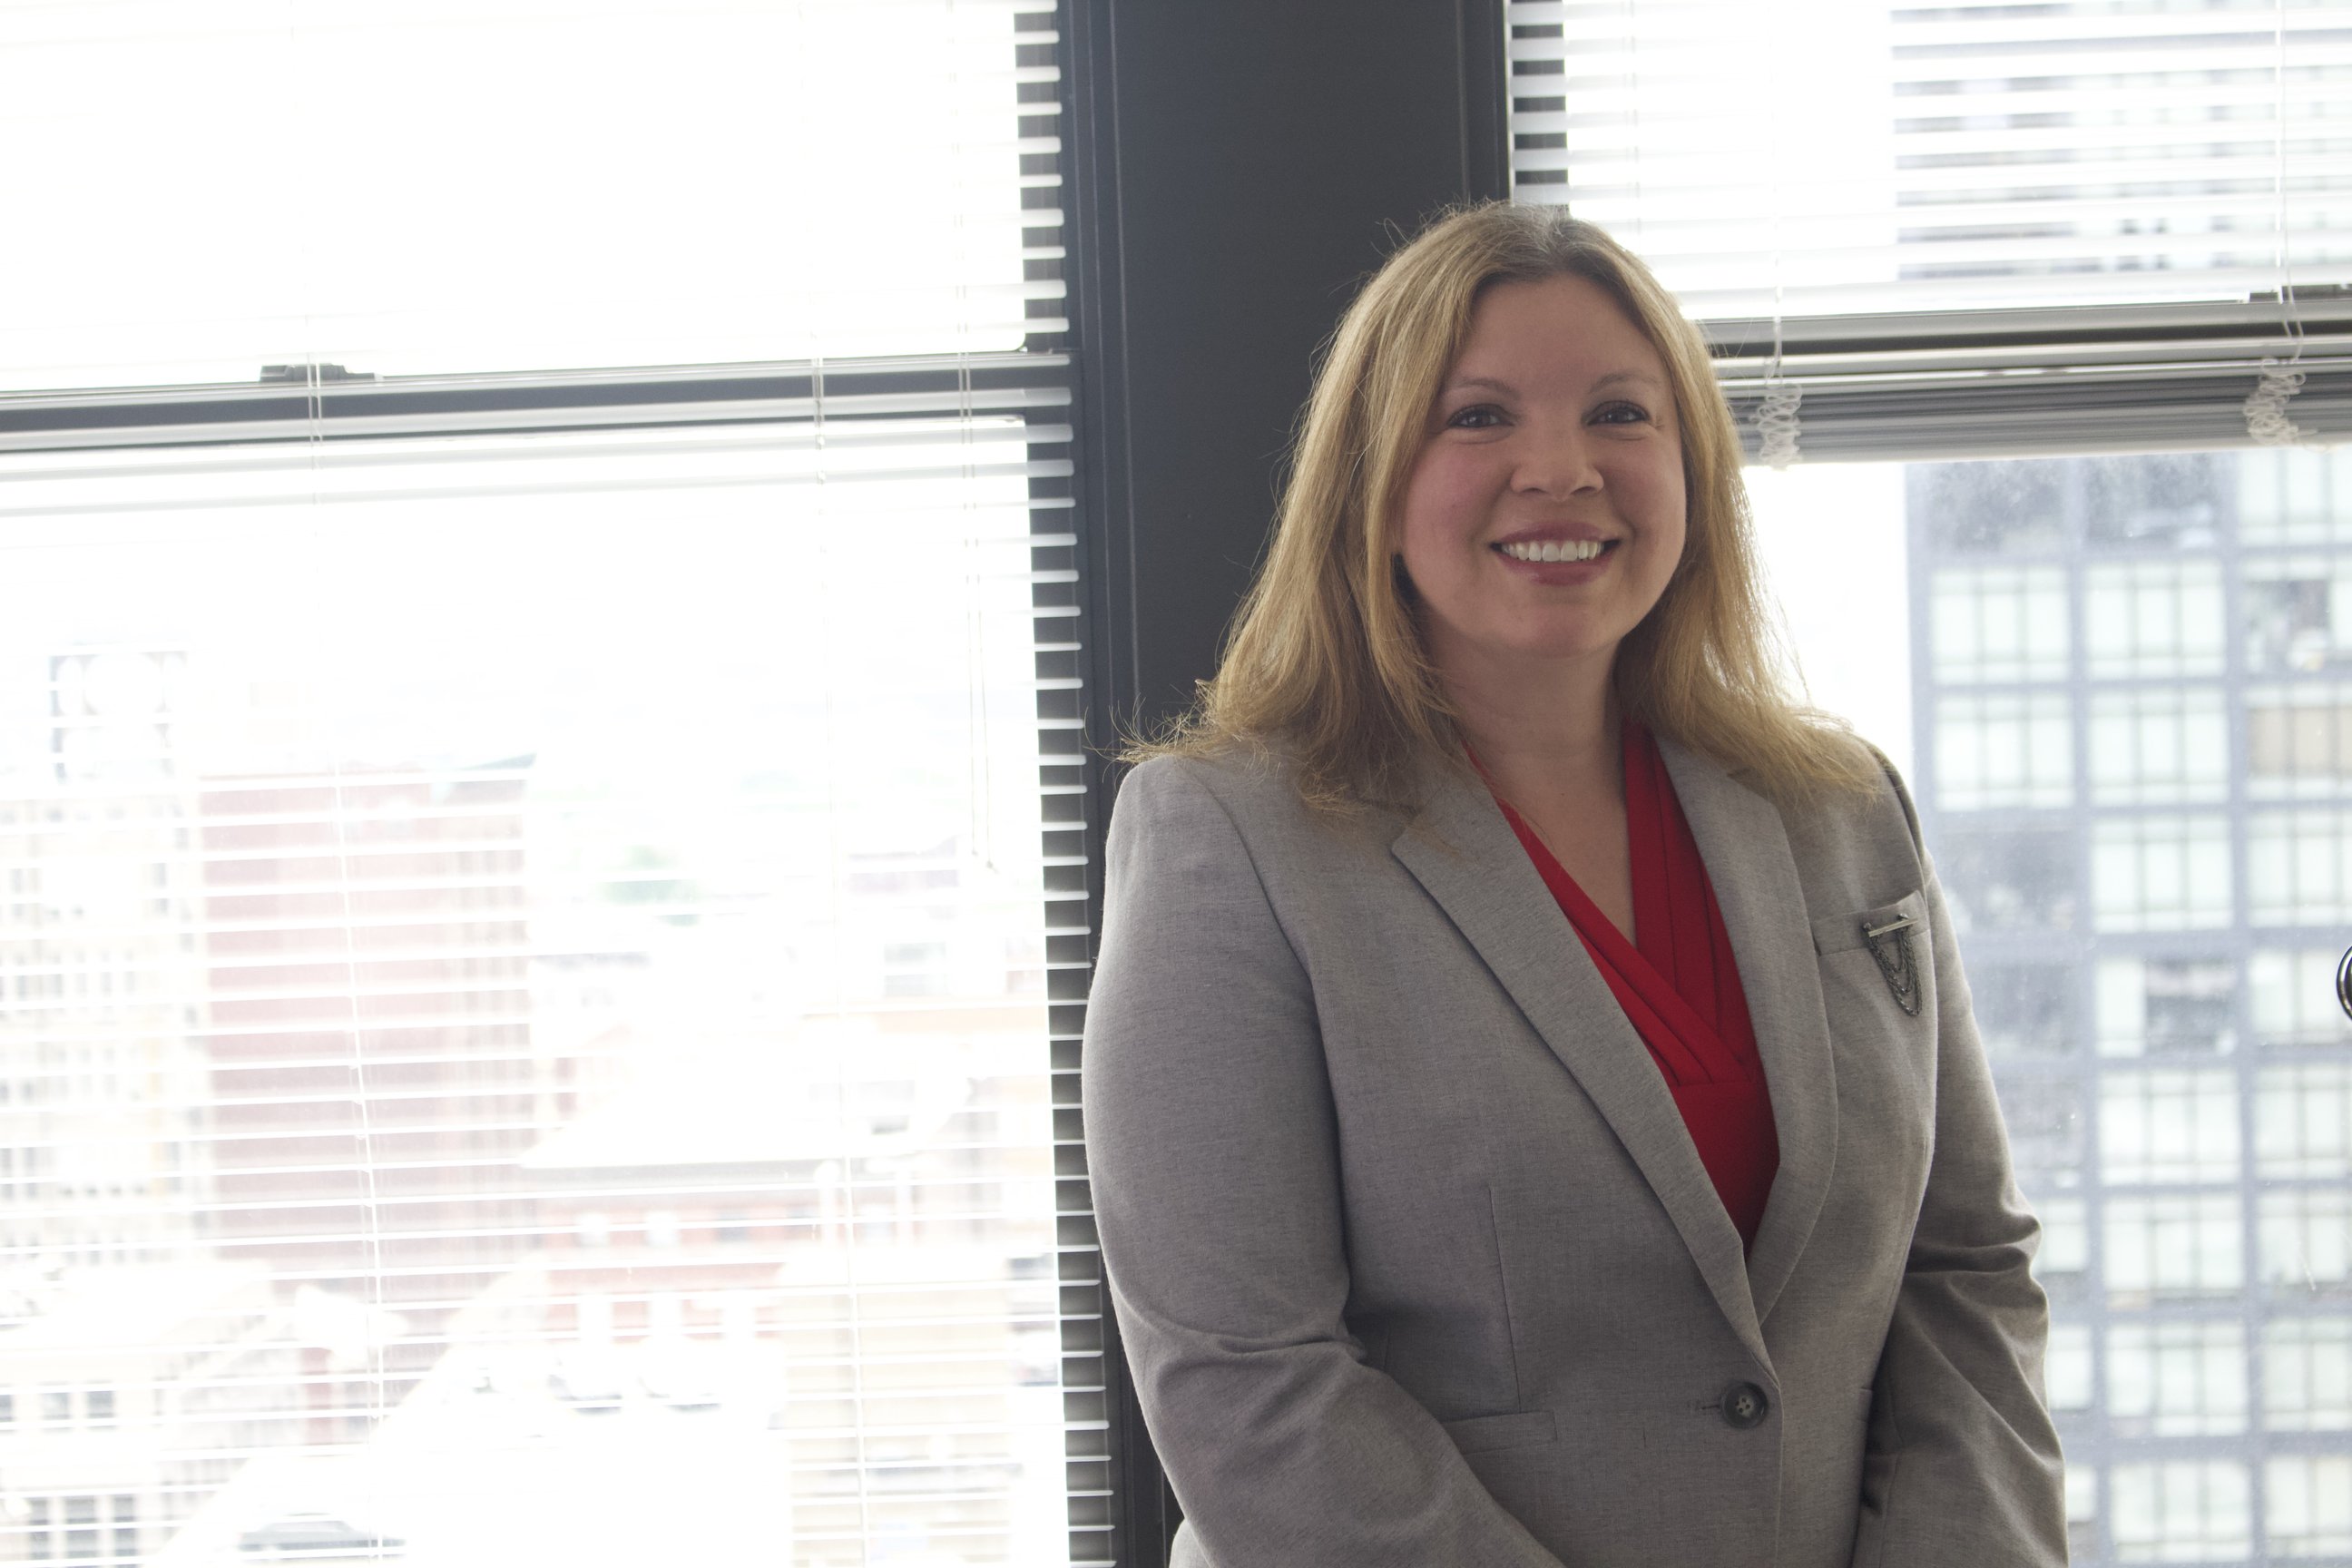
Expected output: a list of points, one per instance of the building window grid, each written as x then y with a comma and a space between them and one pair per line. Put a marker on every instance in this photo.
2293, 1249
2307, 1374
2299, 740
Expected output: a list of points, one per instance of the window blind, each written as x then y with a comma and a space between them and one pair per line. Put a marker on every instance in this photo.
1975, 227
541, 890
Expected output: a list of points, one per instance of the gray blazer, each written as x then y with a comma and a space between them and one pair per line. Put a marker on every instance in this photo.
1416, 1263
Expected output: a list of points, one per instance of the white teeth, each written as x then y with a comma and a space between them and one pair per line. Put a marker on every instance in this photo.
1553, 549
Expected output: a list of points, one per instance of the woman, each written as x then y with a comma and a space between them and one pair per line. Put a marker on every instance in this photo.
1532, 1105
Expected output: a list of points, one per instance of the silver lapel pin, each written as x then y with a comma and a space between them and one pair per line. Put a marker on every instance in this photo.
1890, 947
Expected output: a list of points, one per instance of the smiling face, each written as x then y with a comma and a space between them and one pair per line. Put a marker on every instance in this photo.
1546, 512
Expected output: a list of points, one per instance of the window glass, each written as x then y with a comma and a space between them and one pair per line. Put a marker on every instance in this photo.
2160, 873
2151, 748
2295, 617
2299, 740
2005, 750
1934, 158
525, 225
528, 986
2177, 1379
2307, 1374
2299, 866
2303, 1121
2306, 1238
2026, 1009
2310, 1507
2172, 1247
2145, 840
1999, 623
2160, 1126
2167, 1006
2294, 997
2185, 1510
2153, 617
2068, 1375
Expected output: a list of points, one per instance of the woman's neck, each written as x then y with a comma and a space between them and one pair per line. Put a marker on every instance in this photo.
1545, 745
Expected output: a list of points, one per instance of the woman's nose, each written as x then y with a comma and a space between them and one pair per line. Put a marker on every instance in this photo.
1558, 463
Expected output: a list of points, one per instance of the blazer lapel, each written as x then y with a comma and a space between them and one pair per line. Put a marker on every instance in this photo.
1464, 854
1746, 847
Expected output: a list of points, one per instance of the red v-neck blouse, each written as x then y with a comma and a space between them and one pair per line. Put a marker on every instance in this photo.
1678, 983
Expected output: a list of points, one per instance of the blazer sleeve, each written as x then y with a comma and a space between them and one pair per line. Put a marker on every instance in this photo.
1962, 1465
1212, 1151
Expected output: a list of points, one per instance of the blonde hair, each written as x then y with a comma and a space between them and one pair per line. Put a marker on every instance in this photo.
1325, 659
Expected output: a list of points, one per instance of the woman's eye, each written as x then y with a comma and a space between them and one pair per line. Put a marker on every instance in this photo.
1480, 417
1622, 414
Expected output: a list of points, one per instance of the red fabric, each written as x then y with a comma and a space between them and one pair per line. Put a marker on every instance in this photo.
1679, 983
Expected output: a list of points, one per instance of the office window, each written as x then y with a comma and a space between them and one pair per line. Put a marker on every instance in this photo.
2299, 867
2299, 740
2047, 1128
2009, 880
2201, 1033
2303, 1121
1989, 509
2082, 1510
2293, 496
2155, 500
2294, 995
2174, 1246
2005, 750
2167, 1006
2165, 747
2066, 1249
491, 729
2153, 618
1999, 623
1929, 160
2026, 1009
2307, 1374
2069, 1375
2160, 873
2185, 1511
2309, 1504
2177, 1379
2163, 1127
2306, 1238
2297, 614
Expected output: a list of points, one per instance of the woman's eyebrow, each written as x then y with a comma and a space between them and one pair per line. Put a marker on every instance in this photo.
1614, 378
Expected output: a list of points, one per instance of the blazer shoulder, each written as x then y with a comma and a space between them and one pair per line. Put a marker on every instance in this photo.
1253, 796
1253, 789
1874, 831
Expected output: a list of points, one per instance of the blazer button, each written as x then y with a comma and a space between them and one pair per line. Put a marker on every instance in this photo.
1744, 1406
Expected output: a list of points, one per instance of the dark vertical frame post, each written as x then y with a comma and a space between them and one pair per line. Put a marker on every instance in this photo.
1236, 170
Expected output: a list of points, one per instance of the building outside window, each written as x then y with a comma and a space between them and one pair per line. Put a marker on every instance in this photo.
2206, 974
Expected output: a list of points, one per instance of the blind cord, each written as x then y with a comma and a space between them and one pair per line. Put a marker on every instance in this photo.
2277, 382
1777, 420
